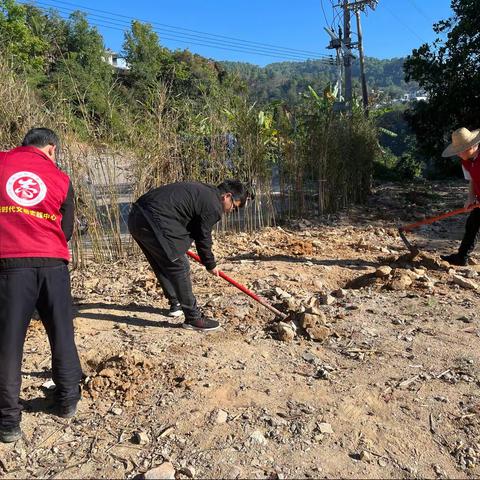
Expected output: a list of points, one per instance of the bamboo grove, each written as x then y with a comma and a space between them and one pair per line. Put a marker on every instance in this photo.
170, 116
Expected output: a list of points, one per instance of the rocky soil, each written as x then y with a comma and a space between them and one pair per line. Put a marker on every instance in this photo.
375, 374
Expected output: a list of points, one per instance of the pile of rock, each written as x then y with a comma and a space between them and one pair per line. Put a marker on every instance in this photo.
310, 320
401, 273
121, 374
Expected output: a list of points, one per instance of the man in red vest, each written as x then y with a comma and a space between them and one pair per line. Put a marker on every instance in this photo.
36, 221
465, 145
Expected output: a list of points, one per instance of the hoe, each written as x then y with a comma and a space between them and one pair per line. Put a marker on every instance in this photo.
278, 313
427, 221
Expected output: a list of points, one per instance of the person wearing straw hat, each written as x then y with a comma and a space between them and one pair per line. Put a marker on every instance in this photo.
465, 145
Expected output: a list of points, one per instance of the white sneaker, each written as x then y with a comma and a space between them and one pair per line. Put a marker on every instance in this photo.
175, 311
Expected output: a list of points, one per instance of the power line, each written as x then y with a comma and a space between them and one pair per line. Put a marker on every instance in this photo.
103, 21
420, 11
336, 15
404, 24
113, 25
323, 10
122, 27
201, 35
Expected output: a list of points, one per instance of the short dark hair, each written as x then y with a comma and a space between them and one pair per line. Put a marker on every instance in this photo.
40, 137
237, 189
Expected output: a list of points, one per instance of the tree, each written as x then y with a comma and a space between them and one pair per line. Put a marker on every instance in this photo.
449, 71
82, 79
149, 62
23, 48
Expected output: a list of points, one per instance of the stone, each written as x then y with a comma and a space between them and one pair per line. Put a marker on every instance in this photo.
281, 293
365, 456
340, 293
383, 271
471, 273
351, 306
419, 271
400, 281
319, 333
99, 383
326, 299
285, 332
188, 471
432, 262
117, 411
367, 280
165, 471
317, 310
382, 462
309, 320
107, 373
325, 428
464, 282
291, 304
309, 357
221, 417
258, 437
141, 438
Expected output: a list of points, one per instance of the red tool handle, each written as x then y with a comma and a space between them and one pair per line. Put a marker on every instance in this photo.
244, 289
426, 221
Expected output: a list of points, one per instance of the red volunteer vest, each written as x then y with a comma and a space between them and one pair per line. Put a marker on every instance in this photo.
473, 168
32, 190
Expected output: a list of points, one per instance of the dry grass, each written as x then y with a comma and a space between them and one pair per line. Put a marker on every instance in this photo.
323, 166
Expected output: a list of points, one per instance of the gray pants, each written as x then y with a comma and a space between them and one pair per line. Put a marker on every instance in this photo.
173, 276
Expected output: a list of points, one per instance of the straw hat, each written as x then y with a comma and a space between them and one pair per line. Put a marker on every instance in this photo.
462, 139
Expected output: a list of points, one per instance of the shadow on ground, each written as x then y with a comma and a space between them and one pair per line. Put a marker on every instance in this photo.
90, 310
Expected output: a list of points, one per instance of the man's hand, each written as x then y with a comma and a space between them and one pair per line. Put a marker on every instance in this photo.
214, 271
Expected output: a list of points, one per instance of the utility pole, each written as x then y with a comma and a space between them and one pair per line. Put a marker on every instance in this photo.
362, 63
343, 47
347, 60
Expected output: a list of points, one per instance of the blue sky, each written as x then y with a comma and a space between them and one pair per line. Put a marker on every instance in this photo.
294, 28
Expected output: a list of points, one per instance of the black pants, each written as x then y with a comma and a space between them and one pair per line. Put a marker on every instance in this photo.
21, 291
173, 276
471, 232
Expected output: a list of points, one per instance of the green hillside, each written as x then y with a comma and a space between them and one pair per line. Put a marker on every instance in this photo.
285, 80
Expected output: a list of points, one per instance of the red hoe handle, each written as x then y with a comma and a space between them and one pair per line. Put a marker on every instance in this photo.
426, 221
244, 289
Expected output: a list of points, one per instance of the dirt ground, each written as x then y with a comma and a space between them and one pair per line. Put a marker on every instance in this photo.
380, 379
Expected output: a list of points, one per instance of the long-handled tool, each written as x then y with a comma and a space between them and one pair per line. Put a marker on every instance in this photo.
427, 221
244, 289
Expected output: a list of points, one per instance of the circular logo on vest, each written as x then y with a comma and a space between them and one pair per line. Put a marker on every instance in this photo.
26, 188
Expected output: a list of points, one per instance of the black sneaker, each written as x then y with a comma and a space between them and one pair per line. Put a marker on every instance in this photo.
67, 411
11, 434
175, 310
202, 324
455, 259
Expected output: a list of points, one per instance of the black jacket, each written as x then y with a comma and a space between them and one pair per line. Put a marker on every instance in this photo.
183, 212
